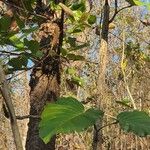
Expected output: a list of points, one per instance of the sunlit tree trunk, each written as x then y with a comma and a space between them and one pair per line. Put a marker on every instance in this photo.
97, 139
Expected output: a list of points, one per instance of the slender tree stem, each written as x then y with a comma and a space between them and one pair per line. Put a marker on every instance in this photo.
97, 137
7, 98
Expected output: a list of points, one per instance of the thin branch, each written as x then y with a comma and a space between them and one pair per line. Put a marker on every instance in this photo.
61, 25
27, 117
22, 9
10, 53
116, 12
24, 70
132, 34
116, 6
115, 122
7, 98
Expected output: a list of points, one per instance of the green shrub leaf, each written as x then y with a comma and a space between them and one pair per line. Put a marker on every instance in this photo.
135, 121
92, 19
5, 23
139, 3
18, 62
65, 116
131, 2
75, 57
77, 80
32, 45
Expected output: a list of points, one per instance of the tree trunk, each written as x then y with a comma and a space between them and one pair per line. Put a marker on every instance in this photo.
44, 83
46, 90
101, 88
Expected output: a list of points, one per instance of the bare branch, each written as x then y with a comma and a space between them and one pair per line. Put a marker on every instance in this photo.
10, 53
115, 122
27, 117
7, 98
117, 11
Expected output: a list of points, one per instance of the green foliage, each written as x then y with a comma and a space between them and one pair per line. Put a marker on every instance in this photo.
68, 114
28, 5
125, 103
65, 116
79, 5
77, 80
74, 78
91, 19
135, 121
18, 62
20, 23
71, 71
131, 2
75, 57
15, 41
5, 23
32, 45
138, 3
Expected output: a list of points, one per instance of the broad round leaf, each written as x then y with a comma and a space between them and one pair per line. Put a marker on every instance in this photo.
137, 122
65, 116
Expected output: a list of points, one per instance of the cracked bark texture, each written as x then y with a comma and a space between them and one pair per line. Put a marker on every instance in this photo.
44, 83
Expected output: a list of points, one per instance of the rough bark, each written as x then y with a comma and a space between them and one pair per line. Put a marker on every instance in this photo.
97, 138
46, 90
44, 83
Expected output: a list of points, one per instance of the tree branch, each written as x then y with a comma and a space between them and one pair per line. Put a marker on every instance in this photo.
117, 11
27, 117
7, 98
10, 53
115, 122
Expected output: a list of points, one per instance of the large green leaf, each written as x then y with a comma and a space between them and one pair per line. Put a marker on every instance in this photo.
65, 116
135, 121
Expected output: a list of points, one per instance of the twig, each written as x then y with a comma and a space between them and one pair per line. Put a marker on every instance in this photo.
20, 8
7, 98
115, 122
117, 11
10, 53
137, 36
24, 70
27, 117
